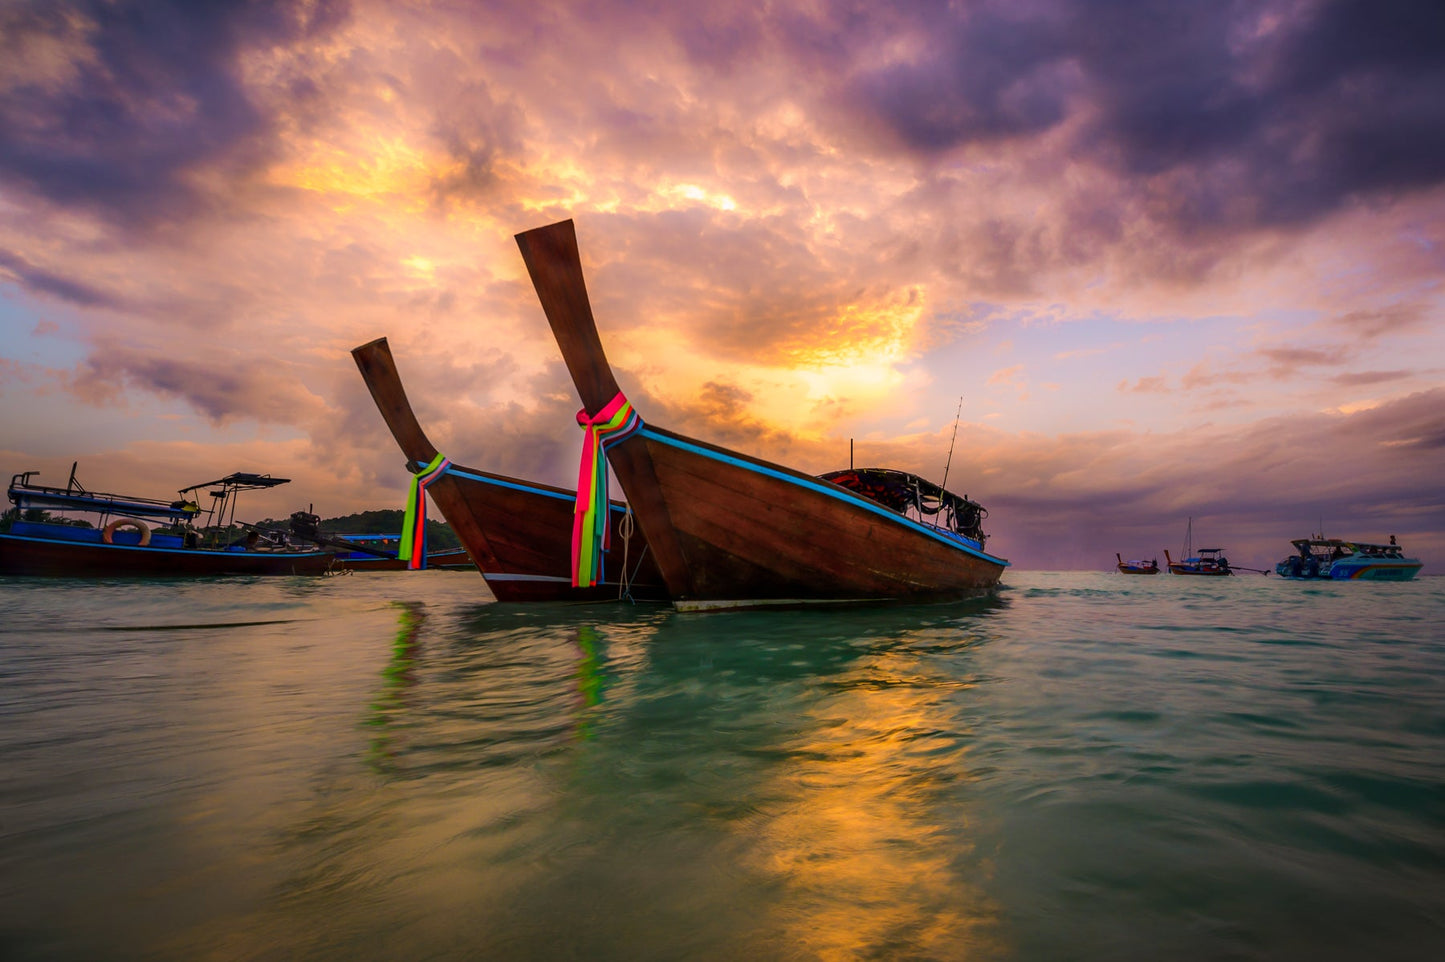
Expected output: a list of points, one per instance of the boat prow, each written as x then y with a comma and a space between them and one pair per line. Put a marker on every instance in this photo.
517, 532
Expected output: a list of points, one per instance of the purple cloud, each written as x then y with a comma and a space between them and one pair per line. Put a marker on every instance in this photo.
153, 95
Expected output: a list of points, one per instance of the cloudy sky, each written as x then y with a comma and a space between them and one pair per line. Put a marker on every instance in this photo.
1177, 259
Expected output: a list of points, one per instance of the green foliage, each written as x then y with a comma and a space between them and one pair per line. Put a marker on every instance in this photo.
40, 516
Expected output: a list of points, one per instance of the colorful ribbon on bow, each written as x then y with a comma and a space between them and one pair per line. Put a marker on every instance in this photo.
413, 523
591, 532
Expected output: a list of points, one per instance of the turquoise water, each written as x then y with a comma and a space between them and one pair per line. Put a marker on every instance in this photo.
385, 766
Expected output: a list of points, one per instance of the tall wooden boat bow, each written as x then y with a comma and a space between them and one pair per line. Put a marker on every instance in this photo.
730, 530
517, 532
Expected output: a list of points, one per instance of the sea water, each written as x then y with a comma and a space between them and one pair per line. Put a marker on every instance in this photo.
390, 766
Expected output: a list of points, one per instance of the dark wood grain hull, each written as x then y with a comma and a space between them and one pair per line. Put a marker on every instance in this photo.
729, 530
750, 533
520, 535
518, 532
38, 556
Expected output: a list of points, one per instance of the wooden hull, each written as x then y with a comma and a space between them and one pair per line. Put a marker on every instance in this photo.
518, 533
55, 558
752, 533
729, 530
1208, 569
1181, 569
1134, 570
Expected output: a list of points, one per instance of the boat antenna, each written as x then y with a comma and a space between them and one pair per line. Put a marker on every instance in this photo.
850, 454
949, 463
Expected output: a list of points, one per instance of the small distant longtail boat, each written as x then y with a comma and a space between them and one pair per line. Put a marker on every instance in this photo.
1321, 557
519, 533
1206, 561
372, 551
729, 530
145, 537
1137, 567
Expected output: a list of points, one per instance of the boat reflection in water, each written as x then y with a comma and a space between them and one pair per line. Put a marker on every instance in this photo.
717, 786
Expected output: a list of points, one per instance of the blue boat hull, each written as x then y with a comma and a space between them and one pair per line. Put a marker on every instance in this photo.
28, 555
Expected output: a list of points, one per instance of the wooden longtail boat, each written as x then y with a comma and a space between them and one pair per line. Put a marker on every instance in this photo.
447, 558
1136, 567
729, 530
1207, 562
518, 532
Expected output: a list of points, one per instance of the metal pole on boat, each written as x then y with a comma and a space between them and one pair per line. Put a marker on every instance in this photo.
949, 463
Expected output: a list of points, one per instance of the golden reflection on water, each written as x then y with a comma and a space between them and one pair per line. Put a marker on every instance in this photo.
855, 837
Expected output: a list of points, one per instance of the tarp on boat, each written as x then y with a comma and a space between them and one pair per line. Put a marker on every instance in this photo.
902, 491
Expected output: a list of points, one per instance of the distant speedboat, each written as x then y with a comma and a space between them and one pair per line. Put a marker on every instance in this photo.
1137, 567
145, 536
1333, 558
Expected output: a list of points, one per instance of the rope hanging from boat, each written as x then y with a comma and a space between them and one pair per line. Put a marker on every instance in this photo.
413, 523
591, 532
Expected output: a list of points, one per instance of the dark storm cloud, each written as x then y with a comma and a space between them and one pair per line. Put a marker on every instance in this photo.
1399, 319
149, 94
226, 385
1366, 378
1226, 114
41, 281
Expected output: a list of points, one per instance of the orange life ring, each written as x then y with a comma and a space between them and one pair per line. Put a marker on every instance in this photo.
109, 530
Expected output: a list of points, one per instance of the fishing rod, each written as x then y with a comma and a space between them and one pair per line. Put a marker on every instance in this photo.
949, 462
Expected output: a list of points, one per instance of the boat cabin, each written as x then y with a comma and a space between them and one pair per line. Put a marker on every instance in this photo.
917, 499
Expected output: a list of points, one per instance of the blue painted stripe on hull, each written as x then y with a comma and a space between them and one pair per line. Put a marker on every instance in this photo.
518, 486
823, 487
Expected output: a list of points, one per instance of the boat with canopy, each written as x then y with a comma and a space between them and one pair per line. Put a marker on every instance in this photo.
122, 535
1340, 560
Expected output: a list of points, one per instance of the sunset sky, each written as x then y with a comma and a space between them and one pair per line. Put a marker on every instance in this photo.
1177, 259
